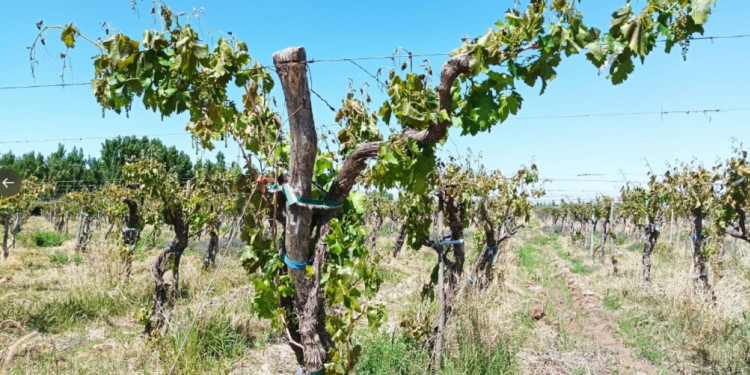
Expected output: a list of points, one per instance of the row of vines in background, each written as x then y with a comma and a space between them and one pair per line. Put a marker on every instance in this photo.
711, 202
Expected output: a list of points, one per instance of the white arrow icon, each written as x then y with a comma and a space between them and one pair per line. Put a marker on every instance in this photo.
6, 182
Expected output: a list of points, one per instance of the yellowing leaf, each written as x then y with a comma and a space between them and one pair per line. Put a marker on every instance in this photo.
68, 35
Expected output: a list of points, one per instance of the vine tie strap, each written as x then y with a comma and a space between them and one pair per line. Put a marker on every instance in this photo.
292, 199
293, 264
176, 253
453, 242
493, 253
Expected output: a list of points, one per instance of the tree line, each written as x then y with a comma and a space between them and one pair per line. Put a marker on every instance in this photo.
72, 171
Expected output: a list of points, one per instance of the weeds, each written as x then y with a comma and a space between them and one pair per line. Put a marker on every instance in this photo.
577, 265
612, 301
61, 313
59, 258
42, 239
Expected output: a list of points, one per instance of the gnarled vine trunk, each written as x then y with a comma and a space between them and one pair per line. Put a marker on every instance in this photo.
482, 262
213, 245
591, 244
6, 228
60, 223
399, 241
700, 271
493, 243
84, 232
16, 229
164, 293
308, 300
452, 273
652, 235
130, 234
739, 230
291, 66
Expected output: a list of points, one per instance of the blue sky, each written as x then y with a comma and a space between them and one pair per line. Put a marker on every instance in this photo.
617, 147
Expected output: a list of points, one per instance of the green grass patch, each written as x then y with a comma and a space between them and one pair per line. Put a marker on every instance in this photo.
392, 276
214, 338
382, 354
576, 265
61, 313
612, 301
635, 247
622, 239
635, 333
474, 357
542, 240
42, 239
59, 258
528, 257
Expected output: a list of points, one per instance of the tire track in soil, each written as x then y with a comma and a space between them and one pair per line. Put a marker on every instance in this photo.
597, 322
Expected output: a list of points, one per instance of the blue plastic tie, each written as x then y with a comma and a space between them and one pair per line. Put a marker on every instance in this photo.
448, 237
293, 264
471, 281
319, 372
170, 250
292, 199
454, 242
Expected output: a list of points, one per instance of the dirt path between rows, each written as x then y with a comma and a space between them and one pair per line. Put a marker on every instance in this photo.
597, 322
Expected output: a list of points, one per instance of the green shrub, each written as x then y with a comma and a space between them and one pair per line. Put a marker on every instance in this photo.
47, 239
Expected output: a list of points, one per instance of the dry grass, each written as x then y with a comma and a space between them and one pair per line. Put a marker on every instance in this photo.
673, 326
532, 318
89, 315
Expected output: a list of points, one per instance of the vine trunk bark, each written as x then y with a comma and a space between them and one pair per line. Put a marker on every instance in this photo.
6, 229
130, 234
399, 241
84, 232
16, 229
213, 246
652, 235
700, 271
164, 293
453, 272
291, 66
